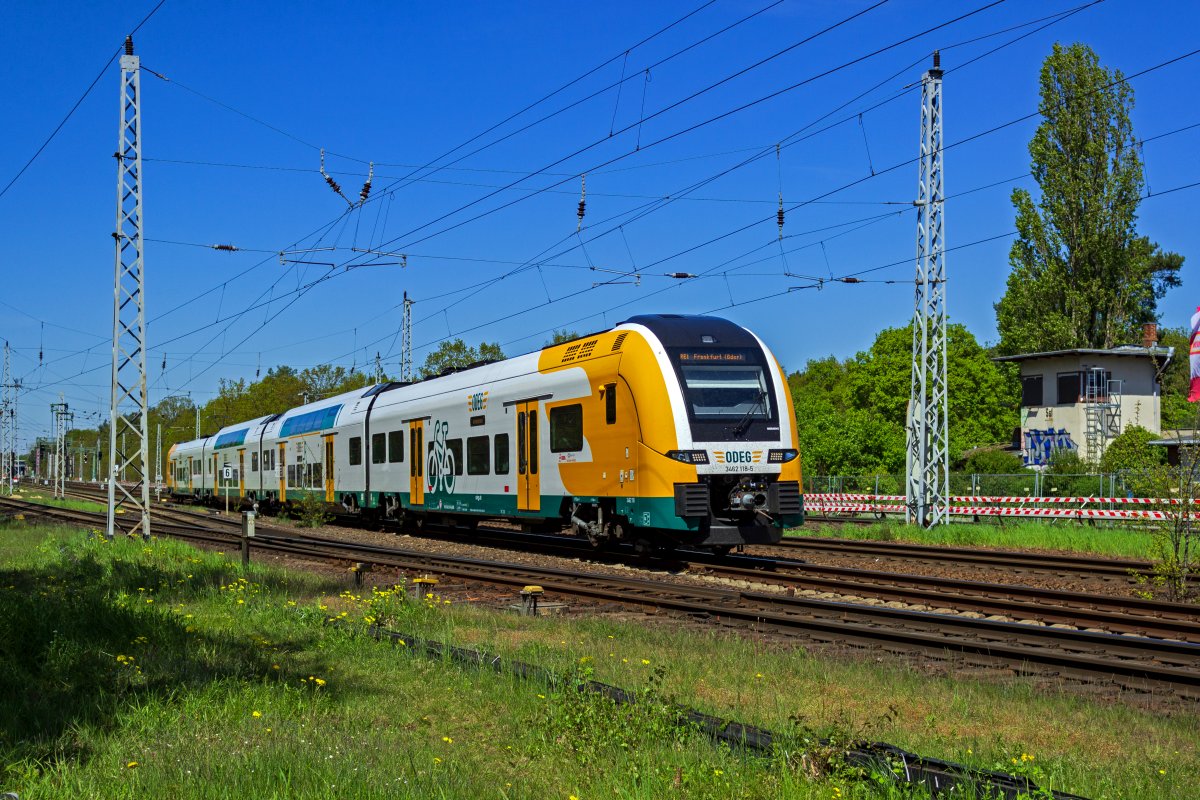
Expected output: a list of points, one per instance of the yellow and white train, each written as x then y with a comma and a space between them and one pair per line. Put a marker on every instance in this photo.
665, 430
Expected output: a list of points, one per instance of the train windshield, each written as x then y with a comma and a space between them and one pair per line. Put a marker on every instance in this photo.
726, 391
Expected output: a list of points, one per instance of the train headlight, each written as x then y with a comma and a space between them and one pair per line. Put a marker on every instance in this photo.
689, 456
781, 456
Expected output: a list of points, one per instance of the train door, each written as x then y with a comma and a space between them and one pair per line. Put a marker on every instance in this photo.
529, 482
281, 465
216, 473
329, 468
242, 472
416, 462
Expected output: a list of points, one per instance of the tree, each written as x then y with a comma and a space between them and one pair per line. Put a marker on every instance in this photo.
1081, 276
558, 337
1131, 451
851, 416
457, 355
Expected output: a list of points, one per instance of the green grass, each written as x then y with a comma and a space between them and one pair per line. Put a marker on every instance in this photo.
45, 496
147, 670
1065, 535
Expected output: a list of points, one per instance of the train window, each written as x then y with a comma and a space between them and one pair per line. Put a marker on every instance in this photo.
501, 454
521, 446
355, 450
566, 429
395, 447
378, 448
453, 451
610, 403
533, 443
478, 455
254, 462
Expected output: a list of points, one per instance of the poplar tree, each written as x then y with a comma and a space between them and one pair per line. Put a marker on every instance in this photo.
1081, 276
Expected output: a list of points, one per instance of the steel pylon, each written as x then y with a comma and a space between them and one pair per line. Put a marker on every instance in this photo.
927, 464
128, 410
8, 424
406, 357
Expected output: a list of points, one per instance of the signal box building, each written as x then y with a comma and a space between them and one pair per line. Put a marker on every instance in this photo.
1081, 399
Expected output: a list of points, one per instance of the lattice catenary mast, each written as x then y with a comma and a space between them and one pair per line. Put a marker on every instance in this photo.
406, 361
927, 465
128, 408
8, 424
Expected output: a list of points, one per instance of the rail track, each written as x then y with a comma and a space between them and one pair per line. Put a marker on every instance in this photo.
1004, 602
1013, 560
1131, 661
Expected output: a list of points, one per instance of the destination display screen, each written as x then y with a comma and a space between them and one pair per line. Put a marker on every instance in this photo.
712, 357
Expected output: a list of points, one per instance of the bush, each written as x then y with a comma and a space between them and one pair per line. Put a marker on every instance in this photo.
311, 512
993, 462
1132, 451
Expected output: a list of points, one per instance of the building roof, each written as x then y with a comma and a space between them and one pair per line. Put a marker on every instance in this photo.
1176, 438
1123, 350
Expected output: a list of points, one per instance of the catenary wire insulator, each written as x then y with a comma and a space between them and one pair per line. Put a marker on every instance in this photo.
366, 190
332, 183
225, 248
582, 202
779, 215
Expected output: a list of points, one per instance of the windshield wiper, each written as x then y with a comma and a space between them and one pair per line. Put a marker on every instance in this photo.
744, 422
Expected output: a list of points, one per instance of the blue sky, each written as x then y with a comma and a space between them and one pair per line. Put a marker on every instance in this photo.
401, 84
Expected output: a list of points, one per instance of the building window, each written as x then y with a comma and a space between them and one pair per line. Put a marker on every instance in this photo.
566, 429
395, 447
355, 450
501, 453
478, 455
1031, 390
378, 448
1068, 388
1095, 384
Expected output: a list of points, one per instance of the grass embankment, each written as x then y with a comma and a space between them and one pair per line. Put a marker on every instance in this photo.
1064, 535
147, 670
46, 497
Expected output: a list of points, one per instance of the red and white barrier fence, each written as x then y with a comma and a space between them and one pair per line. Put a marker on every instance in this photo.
999, 506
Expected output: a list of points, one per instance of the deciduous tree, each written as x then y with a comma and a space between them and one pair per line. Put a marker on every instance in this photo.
1081, 276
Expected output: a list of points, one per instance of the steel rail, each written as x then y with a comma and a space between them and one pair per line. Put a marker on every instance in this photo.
1133, 661
1129, 615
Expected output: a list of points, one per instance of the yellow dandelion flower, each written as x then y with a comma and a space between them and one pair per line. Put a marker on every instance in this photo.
447, 740
256, 714
437, 760
1162, 772
645, 661
718, 772
131, 765
320, 681
758, 675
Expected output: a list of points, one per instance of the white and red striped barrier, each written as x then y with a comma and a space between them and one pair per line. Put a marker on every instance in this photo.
1000, 506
